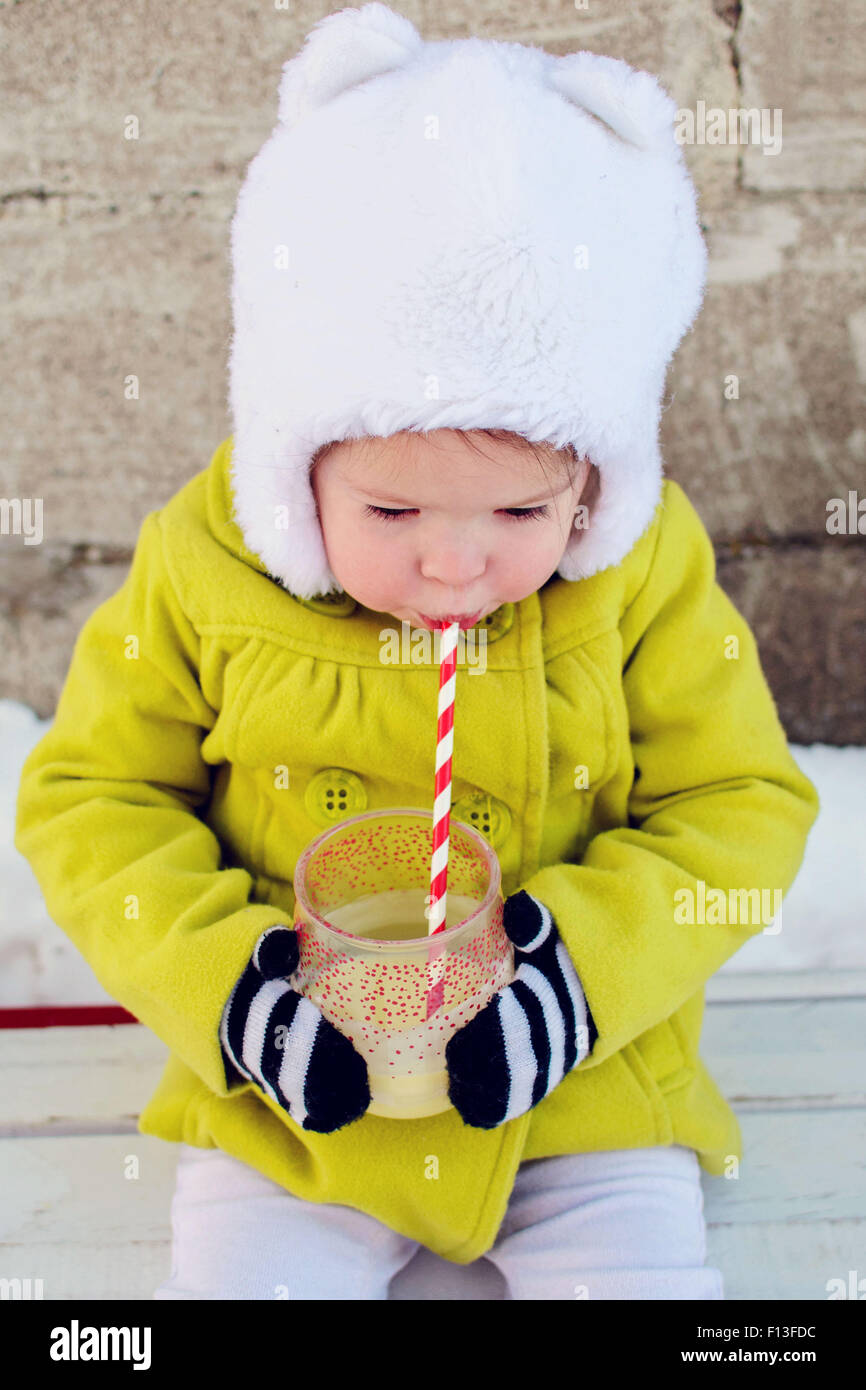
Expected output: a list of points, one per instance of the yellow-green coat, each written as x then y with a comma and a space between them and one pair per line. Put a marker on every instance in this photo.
622, 723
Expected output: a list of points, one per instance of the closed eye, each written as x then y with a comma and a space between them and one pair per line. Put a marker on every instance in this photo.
514, 513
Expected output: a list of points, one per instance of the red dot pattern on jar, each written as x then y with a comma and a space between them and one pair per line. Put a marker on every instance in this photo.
385, 998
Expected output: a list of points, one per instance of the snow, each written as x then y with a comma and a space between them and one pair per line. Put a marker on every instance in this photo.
821, 917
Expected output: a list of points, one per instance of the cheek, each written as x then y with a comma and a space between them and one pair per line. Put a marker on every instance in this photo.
366, 565
527, 562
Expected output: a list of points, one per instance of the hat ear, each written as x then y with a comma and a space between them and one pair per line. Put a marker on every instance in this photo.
342, 50
631, 102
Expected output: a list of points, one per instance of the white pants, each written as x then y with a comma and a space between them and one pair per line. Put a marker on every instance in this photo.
624, 1224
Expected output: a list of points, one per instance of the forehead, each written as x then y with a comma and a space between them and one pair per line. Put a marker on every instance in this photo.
413, 470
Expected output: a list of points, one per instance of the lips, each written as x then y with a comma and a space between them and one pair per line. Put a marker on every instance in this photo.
465, 620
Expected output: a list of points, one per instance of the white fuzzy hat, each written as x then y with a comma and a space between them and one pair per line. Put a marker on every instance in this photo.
461, 234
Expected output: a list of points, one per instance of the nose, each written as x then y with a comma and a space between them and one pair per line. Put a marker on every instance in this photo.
457, 567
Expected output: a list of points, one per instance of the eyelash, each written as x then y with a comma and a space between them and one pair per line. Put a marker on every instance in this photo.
515, 513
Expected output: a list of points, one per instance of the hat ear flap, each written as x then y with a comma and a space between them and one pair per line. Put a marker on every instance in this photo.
341, 51
630, 102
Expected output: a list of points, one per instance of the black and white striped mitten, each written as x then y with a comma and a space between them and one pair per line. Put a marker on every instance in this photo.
271, 1035
531, 1034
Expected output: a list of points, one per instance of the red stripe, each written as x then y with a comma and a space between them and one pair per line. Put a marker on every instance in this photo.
435, 997
440, 782
444, 725
64, 1016
440, 828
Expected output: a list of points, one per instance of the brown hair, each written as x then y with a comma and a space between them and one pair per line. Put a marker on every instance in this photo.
568, 455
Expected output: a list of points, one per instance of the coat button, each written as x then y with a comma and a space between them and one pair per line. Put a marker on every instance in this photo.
497, 623
334, 795
329, 605
486, 814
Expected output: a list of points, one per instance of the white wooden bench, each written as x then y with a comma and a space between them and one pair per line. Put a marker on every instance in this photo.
788, 1050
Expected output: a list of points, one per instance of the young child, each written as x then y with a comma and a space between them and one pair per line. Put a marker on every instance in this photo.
460, 272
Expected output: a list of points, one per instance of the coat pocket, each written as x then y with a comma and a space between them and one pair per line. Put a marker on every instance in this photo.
665, 1056
662, 1063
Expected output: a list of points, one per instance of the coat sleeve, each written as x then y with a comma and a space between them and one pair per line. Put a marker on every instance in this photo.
106, 817
716, 796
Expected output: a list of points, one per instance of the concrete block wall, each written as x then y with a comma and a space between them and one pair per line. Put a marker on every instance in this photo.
115, 259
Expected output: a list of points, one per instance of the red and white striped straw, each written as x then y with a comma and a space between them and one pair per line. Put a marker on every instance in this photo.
442, 809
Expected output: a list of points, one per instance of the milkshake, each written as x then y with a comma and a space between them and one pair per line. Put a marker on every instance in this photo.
383, 1010
366, 953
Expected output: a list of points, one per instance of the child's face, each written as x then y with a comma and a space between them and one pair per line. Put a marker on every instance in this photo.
457, 551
